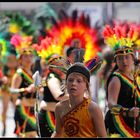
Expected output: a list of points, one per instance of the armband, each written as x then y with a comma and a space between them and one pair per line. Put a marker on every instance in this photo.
62, 94
12, 90
22, 89
118, 109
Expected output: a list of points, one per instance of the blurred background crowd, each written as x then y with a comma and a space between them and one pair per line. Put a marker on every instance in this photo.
38, 19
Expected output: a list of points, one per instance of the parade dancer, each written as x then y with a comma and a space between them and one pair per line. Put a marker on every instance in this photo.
123, 93
53, 91
23, 88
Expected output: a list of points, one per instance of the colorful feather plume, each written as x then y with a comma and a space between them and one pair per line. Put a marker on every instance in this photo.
47, 47
1, 73
119, 36
68, 30
19, 24
3, 48
21, 43
74, 28
94, 64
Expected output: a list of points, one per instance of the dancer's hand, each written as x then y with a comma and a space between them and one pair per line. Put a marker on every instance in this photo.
4, 80
30, 89
134, 112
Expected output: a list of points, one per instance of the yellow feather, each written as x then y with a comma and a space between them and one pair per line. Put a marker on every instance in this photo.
129, 42
138, 43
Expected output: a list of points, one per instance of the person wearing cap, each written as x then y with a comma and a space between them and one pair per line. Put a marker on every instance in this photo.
52, 93
122, 118
23, 89
78, 116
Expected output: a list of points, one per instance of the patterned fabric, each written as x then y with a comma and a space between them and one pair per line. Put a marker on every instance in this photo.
26, 81
129, 82
46, 123
116, 123
75, 122
24, 115
25, 118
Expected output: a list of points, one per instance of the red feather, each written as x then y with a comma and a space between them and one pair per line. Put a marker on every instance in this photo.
124, 33
82, 19
110, 31
1, 73
117, 30
16, 40
36, 47
107, 32
131, 32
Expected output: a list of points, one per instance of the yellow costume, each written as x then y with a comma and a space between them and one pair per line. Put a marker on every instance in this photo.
78, 123
138, 78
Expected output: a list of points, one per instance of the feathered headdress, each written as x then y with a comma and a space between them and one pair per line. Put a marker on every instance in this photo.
49, 50
22, 44
47, 47
120, 39
72, 29
19, 24
94, 64
3, 48
6, 49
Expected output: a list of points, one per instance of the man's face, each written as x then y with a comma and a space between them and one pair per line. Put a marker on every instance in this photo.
71, 57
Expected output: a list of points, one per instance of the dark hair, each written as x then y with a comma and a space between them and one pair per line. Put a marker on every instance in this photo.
109, 78
109, 58
12, 51
69, 50
37, 65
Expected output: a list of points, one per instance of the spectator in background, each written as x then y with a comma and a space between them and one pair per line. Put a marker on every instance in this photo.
23, 89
